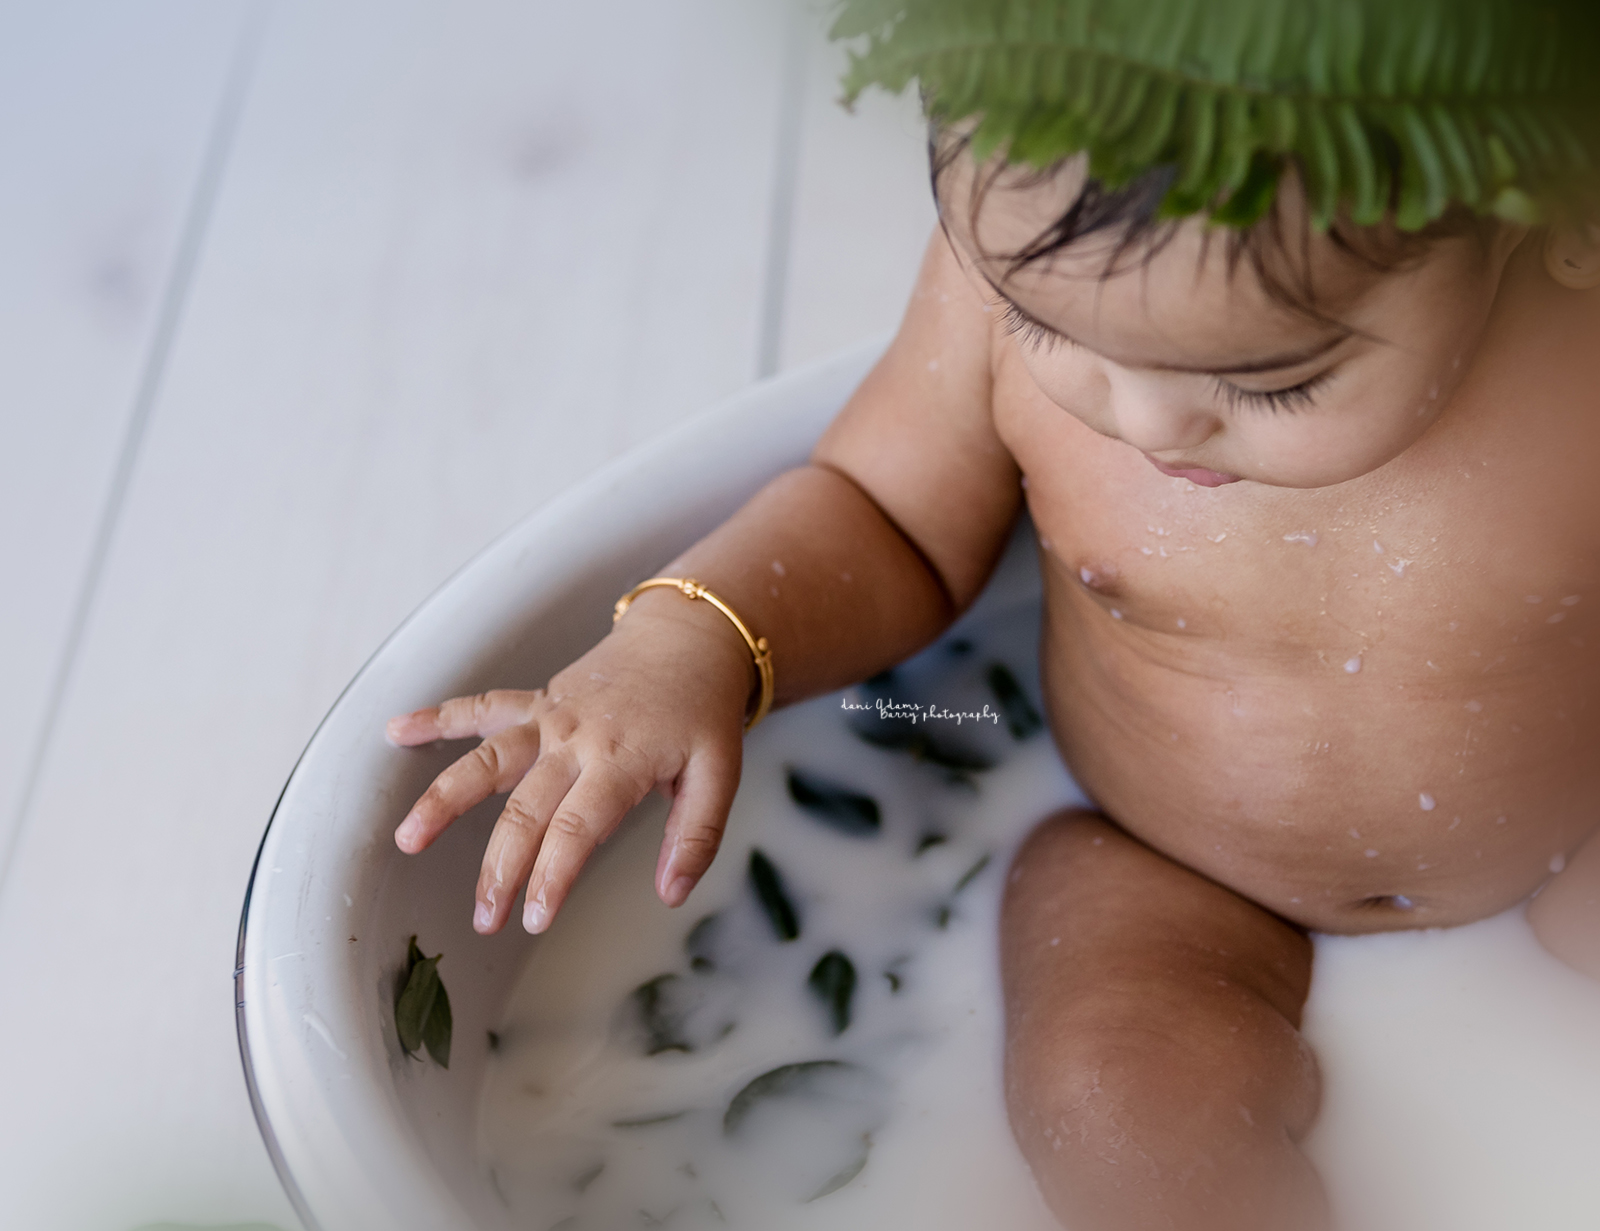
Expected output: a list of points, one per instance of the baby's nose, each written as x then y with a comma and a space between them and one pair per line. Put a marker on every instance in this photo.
1156, 425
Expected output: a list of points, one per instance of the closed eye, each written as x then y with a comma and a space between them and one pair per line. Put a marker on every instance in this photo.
1296, 397
1031, 332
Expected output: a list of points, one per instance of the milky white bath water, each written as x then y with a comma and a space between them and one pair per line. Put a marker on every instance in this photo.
688, 1068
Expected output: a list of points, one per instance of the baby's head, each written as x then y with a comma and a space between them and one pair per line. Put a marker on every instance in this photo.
1276, 353
1254, 239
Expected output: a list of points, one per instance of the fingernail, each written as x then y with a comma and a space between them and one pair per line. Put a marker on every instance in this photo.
483, 917
535, 918
410, 830
678, 891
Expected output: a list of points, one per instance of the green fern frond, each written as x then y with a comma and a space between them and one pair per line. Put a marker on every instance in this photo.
1403, 105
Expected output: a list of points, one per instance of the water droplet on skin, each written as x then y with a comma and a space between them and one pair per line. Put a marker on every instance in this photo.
1115, 614
1086, 576
1164, 553
1403, 902
1557, 862
1556, 617
1533, 598
1398, 568
1146, 551
1453, 625
933, 365
1377, 547
1045, 543
1355, 833
1217, 538
845, 577
773, 590
1455, 822
1182, 623
1370, 853
1474, 707
1352, 665
1572, 600
1308, 537
1426, 802
1499, 820
777, 567
1099, 841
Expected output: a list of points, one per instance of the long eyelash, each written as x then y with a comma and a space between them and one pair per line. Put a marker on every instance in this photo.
1020, 325
1275, 400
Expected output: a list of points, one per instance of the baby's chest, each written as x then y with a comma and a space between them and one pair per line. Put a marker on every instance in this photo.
1465, 568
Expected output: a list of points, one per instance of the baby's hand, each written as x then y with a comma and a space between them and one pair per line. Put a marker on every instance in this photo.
658, 703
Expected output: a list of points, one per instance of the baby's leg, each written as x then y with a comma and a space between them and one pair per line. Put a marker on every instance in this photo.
1155, 1075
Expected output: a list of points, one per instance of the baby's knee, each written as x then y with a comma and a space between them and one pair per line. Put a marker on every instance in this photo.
1119, 1066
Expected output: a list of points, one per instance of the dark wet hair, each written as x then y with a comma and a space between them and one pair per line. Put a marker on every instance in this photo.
1131, 214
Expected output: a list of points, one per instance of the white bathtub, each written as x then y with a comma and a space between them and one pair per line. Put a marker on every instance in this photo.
363, 1139
1463, 1086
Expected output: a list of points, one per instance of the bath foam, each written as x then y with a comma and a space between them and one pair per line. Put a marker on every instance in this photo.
655, 1069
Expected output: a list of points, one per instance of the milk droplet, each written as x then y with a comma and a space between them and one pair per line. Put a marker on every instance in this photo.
1352, 665
1086, 576
1557, 862
1308, 537
1426, 802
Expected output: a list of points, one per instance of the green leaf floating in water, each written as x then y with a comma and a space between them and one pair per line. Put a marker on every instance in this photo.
770, 892
1022, 720
422, 1007
833, 981
782, 1082
836, 806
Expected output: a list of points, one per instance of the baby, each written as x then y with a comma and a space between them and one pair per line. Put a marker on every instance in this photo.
1320, 541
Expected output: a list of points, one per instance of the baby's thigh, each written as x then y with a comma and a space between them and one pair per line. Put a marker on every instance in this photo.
1152, 1022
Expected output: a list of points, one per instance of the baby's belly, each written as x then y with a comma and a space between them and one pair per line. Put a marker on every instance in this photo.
1347, 805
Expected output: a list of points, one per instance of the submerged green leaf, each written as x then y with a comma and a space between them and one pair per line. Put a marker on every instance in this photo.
774, 900
650, 1121
781, 1082
838, 807
701, 944
661, 1016
849, 1172
1022, 720
833, 981
422, 1007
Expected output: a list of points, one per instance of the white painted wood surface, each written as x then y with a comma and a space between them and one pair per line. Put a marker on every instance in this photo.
458, 257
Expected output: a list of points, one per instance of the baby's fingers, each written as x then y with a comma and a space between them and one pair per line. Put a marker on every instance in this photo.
593, 808
493, 766
694, 825
483, 715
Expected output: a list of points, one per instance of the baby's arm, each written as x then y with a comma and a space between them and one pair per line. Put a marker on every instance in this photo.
846, 565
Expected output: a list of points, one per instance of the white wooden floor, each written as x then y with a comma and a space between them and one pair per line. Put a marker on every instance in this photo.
304, 301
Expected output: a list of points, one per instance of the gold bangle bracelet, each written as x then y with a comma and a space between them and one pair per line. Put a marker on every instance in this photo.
759, 651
